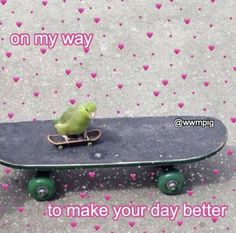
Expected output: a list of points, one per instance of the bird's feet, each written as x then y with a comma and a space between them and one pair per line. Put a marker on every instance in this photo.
85, 134
67, 139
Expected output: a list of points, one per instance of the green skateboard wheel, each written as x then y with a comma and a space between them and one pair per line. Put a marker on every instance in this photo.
41, 188
170, 181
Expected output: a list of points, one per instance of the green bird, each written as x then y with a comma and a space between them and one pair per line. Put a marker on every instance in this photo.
75, 120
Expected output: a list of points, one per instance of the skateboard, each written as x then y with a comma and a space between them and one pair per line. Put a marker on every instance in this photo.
141, 141
59, 141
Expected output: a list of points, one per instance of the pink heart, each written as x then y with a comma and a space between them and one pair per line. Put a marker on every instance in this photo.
86, 50
176, 51
82, 195
234, 68
158, 6
7, 170
36, 93
145, 67
212, 1
8, 54
230, 152
5, 186
149, 34
187, 20
133, 176
94, 74
96, 227
92, 174
44, 2
81, 10
16, 79
73, 224
67, 71
43, 50
120, 85
96, 19
211, 47
79, 84
10, 114
107, 197
19, 24
184, 76
190, 193
181, 104
72, 101
121, 46
233, 119
156, 93
214, 219
165, 82
20, 209
215, 171
131, 223
179, 223
206, 83
3, 2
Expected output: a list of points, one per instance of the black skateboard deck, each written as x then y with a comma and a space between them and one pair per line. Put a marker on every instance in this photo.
124, 141
58, 140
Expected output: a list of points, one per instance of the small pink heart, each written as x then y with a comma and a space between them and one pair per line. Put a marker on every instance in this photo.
149, 34
131, 223
215, 171
206, 83
230, 152
165, 82
233, 119
96, 227
180, 223
19, 24
133, 176
184, 76
96, 19
81, 10
10, 115
187, 20
20, 209
107, 197
67, 71
120, 85
73, 224
44, 2
214, 219
156, 93
5, 186
43, 50
16, 79
190, 192
36, 93
92, 174
3, 2
79, 84
72, 101
234, 67
8, 54
158, 6
145, 67
121, 46
211, 47
176, 50
7, 170
94, 74
180, 104
86, 50
82, 195
212, 1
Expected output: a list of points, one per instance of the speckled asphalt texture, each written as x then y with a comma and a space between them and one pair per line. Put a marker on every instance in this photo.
147, 58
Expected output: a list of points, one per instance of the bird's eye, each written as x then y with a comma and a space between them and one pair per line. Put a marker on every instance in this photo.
86, 109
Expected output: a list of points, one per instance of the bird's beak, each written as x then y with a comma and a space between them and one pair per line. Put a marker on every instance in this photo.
93, 115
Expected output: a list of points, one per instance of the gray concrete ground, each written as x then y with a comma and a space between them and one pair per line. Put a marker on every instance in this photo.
148, 76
